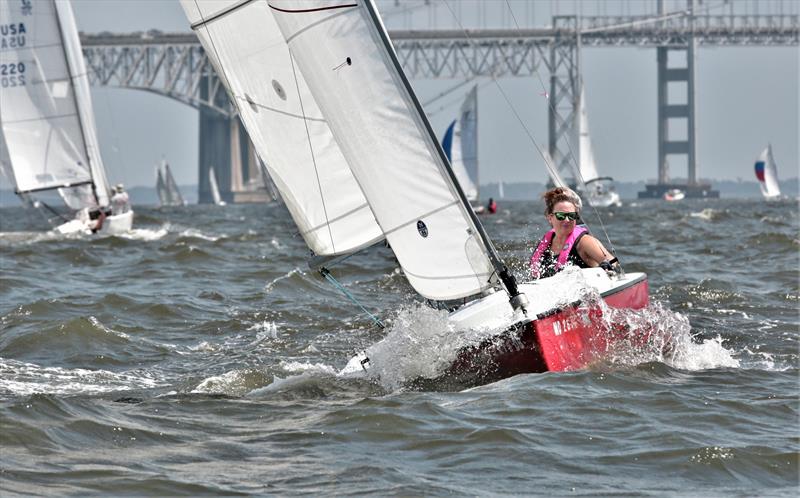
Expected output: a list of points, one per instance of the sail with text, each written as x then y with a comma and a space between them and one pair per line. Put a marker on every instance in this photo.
46, 113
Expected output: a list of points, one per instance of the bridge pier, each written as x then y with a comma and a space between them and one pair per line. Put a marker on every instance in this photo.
676, 112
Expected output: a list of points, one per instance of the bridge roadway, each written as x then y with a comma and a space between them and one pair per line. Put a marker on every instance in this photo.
174, 64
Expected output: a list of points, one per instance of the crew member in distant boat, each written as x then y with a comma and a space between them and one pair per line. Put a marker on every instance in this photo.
572, 242
96, 218
120, 202
492, 206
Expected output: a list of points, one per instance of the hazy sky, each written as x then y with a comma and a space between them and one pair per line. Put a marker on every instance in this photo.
745, 97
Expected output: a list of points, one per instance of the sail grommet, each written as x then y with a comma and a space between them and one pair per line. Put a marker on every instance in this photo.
279, 89
422, 228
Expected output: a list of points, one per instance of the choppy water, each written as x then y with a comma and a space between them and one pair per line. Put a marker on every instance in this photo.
199, 355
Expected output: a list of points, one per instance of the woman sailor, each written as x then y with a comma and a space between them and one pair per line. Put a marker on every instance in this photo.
567, 241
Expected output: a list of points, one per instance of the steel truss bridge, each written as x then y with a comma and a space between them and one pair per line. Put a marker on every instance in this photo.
175, 65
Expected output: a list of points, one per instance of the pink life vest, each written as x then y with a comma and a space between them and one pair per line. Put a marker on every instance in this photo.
562, 256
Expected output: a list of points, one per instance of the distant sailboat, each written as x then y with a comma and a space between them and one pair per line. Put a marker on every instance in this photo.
596, 190
460, 144
47, 119
212, 182
167, 188
767, 174
161, 188
297, 74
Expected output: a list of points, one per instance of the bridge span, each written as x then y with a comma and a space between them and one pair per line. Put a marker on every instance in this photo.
175, 65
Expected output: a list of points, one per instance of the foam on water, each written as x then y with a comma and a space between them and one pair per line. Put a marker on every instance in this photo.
20, 379
145, 234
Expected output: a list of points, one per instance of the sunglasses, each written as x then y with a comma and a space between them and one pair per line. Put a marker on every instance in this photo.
561, 216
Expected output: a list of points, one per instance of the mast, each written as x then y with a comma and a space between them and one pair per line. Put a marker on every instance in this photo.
516, 299
75, 98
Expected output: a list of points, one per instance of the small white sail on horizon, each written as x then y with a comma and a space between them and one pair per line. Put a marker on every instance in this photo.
46, 118
767, 174
166, 187
161, 189
460, 144
212, 183
597, 190
172, 186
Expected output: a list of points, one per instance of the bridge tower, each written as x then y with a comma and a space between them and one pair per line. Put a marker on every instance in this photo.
675, 111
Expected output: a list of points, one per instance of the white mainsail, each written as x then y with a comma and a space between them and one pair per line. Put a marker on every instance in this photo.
46, 114
767, 174
175, 197
285, 124
212, 182
161, 189
598, 191
460, 143
347, 60
586, 162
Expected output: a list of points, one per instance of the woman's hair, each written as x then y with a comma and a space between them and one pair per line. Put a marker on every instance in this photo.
559, 194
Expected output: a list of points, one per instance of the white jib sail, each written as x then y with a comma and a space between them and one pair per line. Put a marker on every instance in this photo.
287, 129
767, 173
346, 58
46, 111
464, 151
586, 162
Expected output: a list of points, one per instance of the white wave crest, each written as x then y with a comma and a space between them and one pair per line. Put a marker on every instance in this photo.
20, 378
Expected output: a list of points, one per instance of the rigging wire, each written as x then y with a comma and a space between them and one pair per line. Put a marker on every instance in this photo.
528, 132
327, 274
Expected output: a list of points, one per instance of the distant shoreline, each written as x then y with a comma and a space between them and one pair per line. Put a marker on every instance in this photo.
517, 191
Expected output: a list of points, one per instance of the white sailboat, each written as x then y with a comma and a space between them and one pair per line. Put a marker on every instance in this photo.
212, 182
166, 187
767, 174
460, 144
46, 115
596, 190
322, 95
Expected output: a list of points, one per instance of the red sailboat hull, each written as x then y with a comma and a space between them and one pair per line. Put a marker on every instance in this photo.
562, 339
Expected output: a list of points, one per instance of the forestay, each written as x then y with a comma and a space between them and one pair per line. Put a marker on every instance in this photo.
46, 112
460, 144
282, 118
346, 58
